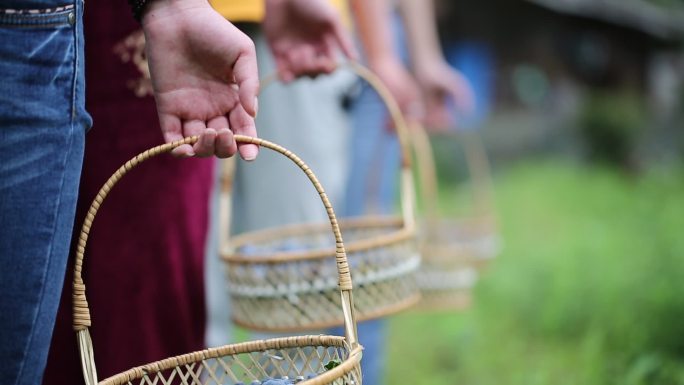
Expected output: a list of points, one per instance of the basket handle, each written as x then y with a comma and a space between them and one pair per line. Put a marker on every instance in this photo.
407, 188
476, 161
81, 320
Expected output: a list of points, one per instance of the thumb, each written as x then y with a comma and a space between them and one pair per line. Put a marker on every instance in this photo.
462, 93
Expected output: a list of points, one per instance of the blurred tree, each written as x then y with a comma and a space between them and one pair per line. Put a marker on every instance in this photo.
610, 125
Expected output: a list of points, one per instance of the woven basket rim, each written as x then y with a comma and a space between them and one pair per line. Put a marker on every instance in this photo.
455, 256
480, 223
458, 301
401, 234
459, 253
351, 362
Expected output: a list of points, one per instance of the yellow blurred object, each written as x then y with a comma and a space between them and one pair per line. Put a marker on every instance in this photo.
253, 10
240, 10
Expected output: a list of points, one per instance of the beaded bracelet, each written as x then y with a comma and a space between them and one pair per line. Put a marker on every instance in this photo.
137, 6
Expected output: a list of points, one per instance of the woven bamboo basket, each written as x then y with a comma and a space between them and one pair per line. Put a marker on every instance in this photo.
454, 250
313, 359
273, 289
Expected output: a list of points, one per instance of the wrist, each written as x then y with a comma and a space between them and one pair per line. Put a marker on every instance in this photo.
378, 62
156, 9
426, 67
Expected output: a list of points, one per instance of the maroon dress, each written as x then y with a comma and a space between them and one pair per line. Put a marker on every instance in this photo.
144, 260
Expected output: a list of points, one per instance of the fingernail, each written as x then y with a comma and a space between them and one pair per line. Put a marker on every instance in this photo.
256, 106
249, 153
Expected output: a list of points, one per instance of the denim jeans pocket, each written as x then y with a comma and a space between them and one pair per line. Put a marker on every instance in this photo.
43, 66
63, 15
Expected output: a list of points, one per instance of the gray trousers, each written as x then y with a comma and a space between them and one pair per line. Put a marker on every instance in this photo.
306, 117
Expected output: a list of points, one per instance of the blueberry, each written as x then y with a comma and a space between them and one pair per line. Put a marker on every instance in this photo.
249, 250
277, 381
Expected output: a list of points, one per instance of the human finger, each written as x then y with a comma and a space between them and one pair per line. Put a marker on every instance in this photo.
225, 143
205, 144
437, 117
243, 124
344, 40
172, 131
301, 60
246, 75
284, 73
224, 146
326, 53
414, 110
461, 91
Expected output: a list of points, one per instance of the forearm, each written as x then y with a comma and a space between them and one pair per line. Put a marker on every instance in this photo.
374, 29
422, 37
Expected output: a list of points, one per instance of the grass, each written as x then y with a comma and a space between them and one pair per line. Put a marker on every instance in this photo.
589, 288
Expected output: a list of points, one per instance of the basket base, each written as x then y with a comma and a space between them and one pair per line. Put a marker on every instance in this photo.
445, 301
397, 307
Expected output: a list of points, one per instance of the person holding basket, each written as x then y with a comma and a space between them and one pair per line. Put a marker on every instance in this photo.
194, 55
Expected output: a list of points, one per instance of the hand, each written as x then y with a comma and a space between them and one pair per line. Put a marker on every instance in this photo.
304, 36
204, 77
439, 81
401, 85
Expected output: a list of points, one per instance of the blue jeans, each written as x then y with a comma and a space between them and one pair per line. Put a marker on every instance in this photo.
42, 127
372, 186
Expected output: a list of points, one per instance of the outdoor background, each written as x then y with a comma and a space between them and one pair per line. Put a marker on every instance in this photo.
581, 107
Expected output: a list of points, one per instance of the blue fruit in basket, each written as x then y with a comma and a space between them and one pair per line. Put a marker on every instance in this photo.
249, 250
277, 381
292, 244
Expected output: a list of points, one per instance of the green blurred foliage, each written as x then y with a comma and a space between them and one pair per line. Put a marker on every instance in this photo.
668, 3
610, 125
589, 288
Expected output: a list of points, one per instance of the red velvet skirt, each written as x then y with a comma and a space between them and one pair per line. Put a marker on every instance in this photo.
145, 256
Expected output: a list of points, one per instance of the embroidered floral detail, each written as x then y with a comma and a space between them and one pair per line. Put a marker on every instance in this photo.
36, 11
132, 50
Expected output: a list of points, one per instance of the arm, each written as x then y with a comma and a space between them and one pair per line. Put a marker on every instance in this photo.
373, 23
436, 78
421, 32
204, 77
374, 30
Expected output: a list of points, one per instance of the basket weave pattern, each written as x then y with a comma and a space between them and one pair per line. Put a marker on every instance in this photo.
293, 357
450, 266
296, 291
